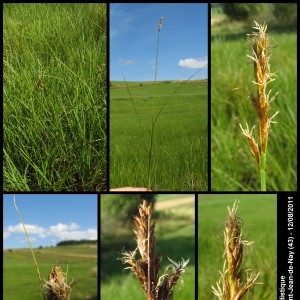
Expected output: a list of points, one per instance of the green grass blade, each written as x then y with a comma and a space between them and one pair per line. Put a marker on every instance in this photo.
30, 246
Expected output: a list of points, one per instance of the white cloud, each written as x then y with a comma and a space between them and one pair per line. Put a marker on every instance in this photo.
92, 234
71, 232
126, 61
6, 234
63, 227
59, 231
193, 63
31, 229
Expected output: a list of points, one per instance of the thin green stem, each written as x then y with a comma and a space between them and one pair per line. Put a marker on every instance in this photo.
29, 243
150, 157
263, 185
156, 54
134, 107
153, 120
175, 91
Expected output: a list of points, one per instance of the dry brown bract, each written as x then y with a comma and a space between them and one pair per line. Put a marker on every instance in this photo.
146, 269
231, 285
57, 288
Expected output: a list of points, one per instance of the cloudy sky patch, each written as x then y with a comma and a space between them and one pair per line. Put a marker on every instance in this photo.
193, 63
49, 218
126, 61
59, 231
134, 34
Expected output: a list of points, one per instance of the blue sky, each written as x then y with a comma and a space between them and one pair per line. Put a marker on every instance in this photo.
49, 219
183, 41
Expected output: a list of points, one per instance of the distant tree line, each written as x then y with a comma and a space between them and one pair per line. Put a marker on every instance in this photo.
124, 206
74, 242
283, 13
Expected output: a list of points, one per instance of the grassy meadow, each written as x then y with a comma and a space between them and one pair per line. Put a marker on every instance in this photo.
175, 238
233, 167
180, 149
21, 280
258, 215
54, 97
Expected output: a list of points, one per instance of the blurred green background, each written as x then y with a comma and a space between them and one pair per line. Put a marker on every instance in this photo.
231, 84
258, 213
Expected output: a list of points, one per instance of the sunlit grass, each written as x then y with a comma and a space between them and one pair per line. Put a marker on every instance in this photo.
54, 97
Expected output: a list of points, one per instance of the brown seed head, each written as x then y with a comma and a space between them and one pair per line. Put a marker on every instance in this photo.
57, 288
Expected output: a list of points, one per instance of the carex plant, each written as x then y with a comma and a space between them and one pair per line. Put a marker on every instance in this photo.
146, 268
56, 286
260, 46
235, 281
155, 116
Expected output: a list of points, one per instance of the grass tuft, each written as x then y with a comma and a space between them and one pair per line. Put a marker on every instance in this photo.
54, 100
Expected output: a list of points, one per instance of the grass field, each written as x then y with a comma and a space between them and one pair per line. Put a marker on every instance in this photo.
175, 238
21, 280
54, 97
231, 77
258, 213
180, 135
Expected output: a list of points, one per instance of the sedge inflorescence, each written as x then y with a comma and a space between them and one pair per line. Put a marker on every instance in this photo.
261, 101
233, 285
146, 269
56, 287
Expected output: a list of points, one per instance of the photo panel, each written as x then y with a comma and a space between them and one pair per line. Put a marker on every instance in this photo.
253, 97
158, 96
54, 97
237, 246
145, 234
50, 246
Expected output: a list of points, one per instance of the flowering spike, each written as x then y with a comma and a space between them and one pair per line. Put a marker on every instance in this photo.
260, 57
160, 23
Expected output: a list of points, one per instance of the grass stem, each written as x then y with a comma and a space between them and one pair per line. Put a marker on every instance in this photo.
30, 246
263, 186
152, 121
